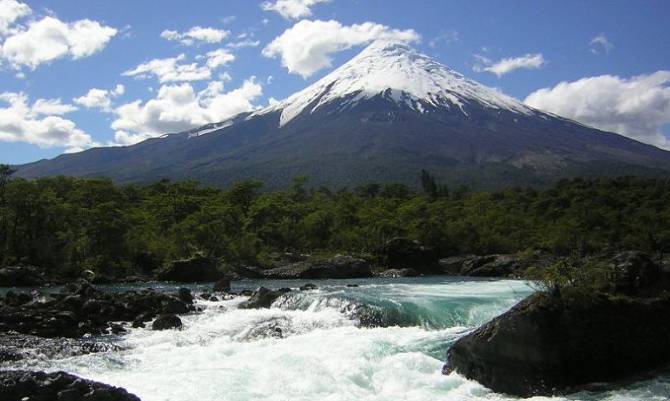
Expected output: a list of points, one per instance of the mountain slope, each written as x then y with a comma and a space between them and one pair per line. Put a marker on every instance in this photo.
383, 116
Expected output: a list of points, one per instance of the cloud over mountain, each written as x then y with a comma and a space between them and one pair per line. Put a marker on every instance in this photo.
307, 47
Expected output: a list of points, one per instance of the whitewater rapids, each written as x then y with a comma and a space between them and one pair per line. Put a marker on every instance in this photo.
310, 346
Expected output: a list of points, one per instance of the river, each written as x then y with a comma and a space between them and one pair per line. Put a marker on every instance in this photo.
309, 346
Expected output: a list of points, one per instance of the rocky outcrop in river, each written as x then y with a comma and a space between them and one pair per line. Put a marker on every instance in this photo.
22, 385
555, 342
81, 309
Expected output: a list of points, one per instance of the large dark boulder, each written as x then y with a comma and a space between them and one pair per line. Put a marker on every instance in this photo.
263, 298
21, 276
18, 385
198, 269
339, 266
401, 253
166, 321
550, 344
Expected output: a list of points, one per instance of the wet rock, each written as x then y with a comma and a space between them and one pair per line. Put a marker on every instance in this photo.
401, 253
339, 266
222, 285
14, 346
308, 287
263, 298
18, 385
197, 269
185, 295
553, 344
81, 309
21, 276
391, 273
496, 265
166, 322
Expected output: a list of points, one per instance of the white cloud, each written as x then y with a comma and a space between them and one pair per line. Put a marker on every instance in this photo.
292, 9
100, 98
507, 65
637, 107
41, 123
170, 70
307, 47
445, 37
45, 107
10, 11
179, 107
600, 43
244, 43
195, 35
218, 58
49, 38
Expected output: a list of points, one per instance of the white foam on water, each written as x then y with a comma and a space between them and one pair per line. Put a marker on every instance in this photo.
226, 353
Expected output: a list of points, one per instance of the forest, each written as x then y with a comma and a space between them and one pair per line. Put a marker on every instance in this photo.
67, 225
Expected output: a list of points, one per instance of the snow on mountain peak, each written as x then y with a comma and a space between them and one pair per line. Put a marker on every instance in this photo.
401, 74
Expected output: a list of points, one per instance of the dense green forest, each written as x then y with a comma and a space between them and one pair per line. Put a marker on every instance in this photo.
67, 225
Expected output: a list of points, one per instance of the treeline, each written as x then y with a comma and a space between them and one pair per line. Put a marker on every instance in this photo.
68, 225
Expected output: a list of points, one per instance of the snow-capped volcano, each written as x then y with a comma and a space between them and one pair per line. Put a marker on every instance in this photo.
399, 73
382, 117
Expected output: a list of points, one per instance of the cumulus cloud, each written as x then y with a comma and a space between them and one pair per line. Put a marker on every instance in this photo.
196, 35
307, 47
292, 9
507, 65
600, 43
637, 107
100, 98
218, 58
41, 123
49, 38
178, 107
170, 70
10, 12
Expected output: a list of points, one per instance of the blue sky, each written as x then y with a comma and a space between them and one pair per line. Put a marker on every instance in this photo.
612, 58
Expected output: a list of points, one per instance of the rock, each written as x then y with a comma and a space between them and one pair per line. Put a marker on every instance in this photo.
166, 321
339, 266
391, 273
197, 269
263, 298
634, 273
222, 285
308, 287
549, 344
18, 385
21, 276
82, 309
496, 265
401, 253
185, 295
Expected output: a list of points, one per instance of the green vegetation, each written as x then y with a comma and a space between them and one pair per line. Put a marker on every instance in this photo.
68, 225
